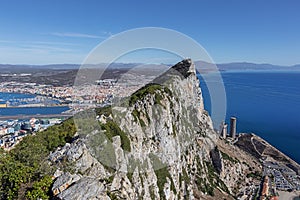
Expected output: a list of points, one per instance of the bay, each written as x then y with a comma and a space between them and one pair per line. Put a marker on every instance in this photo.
27, 110
33, 110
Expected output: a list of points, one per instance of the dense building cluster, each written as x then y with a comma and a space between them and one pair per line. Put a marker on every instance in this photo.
13, 131
78, 97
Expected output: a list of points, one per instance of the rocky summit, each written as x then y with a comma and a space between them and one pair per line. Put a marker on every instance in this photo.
159, 143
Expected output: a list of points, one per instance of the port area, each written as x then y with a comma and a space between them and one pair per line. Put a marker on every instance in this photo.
26, 101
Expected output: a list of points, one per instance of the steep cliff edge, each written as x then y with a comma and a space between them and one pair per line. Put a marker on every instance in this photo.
157, 144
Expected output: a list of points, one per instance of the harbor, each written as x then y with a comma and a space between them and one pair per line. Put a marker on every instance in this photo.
15, 100
23, 114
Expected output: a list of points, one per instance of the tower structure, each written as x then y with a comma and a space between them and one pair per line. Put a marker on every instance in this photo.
233, 127
223, 130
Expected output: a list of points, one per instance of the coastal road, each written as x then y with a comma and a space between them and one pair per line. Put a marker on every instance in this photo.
64, 115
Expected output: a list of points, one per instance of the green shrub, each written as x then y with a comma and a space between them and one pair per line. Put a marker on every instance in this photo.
161, 172
227, 157
151, 88
112, 129
106, 111
24, 169
136, 114
141, 93
13, 174
214, 180
40, 189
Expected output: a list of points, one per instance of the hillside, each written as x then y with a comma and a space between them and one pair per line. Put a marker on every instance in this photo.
157, 144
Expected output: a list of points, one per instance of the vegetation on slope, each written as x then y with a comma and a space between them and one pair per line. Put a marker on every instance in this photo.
227, 157
151, 88
103, 151
154, 89
162, 173
212, 181
112, 130
24, 173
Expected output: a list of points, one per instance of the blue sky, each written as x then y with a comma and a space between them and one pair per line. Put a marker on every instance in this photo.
65, 31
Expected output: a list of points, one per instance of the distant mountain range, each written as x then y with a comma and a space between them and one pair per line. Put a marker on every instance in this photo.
252, 66
245, 66
203, 66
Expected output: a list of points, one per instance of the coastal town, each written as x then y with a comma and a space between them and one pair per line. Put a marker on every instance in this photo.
77, 98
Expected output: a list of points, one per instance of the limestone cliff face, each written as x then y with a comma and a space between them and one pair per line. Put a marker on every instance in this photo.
157, 144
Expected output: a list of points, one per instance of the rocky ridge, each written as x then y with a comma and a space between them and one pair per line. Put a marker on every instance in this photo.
157, 144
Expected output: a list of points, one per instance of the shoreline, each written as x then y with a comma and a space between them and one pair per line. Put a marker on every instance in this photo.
34, 112
37, 116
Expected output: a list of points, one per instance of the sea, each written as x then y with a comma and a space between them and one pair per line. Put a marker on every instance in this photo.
265, 103
4, 97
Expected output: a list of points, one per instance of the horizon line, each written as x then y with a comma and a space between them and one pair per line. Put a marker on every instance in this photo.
221, 63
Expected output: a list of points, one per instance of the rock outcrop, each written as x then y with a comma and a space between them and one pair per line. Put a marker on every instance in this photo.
157, 144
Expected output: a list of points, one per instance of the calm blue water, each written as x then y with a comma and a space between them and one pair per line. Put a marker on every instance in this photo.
27, 111
33, 111
265, 103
